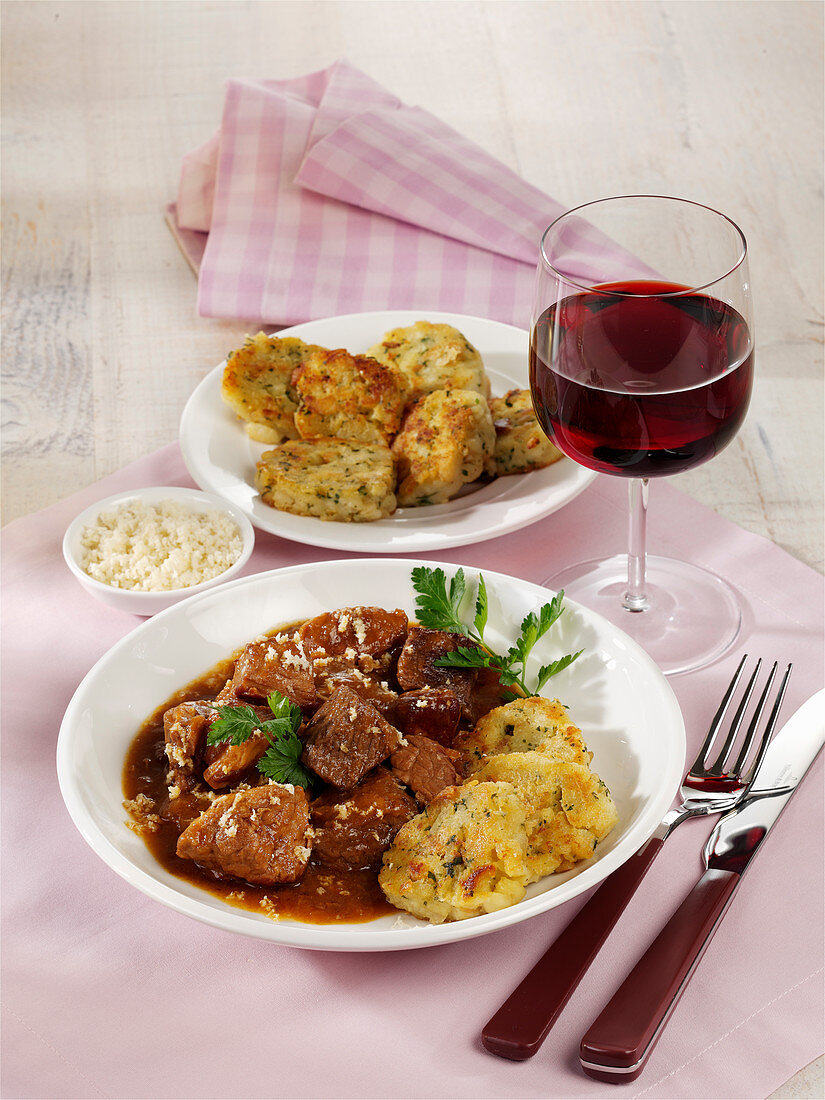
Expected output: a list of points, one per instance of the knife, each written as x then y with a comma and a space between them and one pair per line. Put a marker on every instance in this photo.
619, 1043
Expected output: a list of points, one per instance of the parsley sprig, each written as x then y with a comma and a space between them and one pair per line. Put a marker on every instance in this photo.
282, 760
439, 606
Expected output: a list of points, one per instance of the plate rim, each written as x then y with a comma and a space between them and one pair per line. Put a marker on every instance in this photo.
346, 937
330, 535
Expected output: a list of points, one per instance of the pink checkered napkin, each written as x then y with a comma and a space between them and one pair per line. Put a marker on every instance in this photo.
325, 194
196, 191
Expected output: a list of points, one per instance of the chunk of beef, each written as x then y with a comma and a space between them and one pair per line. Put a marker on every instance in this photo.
224, 763
261, 835
229, 762
346, 738
226, 697
355, 631
332, 672
428, 712
426, 767
276, 664
488, 693
417, 667
180, 811
353, 829
184, 733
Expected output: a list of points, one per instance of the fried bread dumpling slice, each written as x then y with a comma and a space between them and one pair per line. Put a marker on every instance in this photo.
432, 357
257, 385
347, 397
261, 835
331, 479
524, 725
568, 809
521, 445
464, 855
447, 440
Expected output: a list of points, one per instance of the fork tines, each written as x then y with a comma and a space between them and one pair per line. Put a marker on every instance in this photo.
718, 767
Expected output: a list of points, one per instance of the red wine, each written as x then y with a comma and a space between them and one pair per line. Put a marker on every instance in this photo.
629, 382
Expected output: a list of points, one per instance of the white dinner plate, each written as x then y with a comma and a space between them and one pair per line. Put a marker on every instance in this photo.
623, 704
221, 457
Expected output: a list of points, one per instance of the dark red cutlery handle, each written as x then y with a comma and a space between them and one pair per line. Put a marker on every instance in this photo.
520, 1026
619, 1043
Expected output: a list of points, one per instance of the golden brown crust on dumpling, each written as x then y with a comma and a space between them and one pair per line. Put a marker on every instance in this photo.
521, 445
432, 357
347, 397
257, 385
568, 809
331, 479
462, 856
524, 725
447, 441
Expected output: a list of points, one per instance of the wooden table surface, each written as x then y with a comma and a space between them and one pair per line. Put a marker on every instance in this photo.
720, 102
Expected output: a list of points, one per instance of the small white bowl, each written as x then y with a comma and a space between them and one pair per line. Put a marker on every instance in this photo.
149, 603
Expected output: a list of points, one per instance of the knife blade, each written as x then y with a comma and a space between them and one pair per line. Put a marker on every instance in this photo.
618, 1044
737, 836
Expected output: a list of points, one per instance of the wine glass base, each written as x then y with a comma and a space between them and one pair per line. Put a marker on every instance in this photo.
692, 617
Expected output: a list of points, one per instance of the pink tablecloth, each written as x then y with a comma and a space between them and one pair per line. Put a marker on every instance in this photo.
106, 993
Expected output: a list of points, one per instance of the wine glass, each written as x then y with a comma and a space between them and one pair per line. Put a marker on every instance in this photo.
641, 365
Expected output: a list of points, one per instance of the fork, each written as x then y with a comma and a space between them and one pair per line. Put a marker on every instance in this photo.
520, 1026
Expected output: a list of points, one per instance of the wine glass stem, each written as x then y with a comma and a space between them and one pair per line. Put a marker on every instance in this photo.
636, 596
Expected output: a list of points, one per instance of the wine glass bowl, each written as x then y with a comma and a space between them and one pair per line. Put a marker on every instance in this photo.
639, 381
641, 366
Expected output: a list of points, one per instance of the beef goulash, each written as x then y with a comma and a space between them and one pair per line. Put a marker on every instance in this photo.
333, 771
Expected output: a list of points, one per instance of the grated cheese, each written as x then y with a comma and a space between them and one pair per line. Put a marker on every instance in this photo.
360, 629
159, 547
